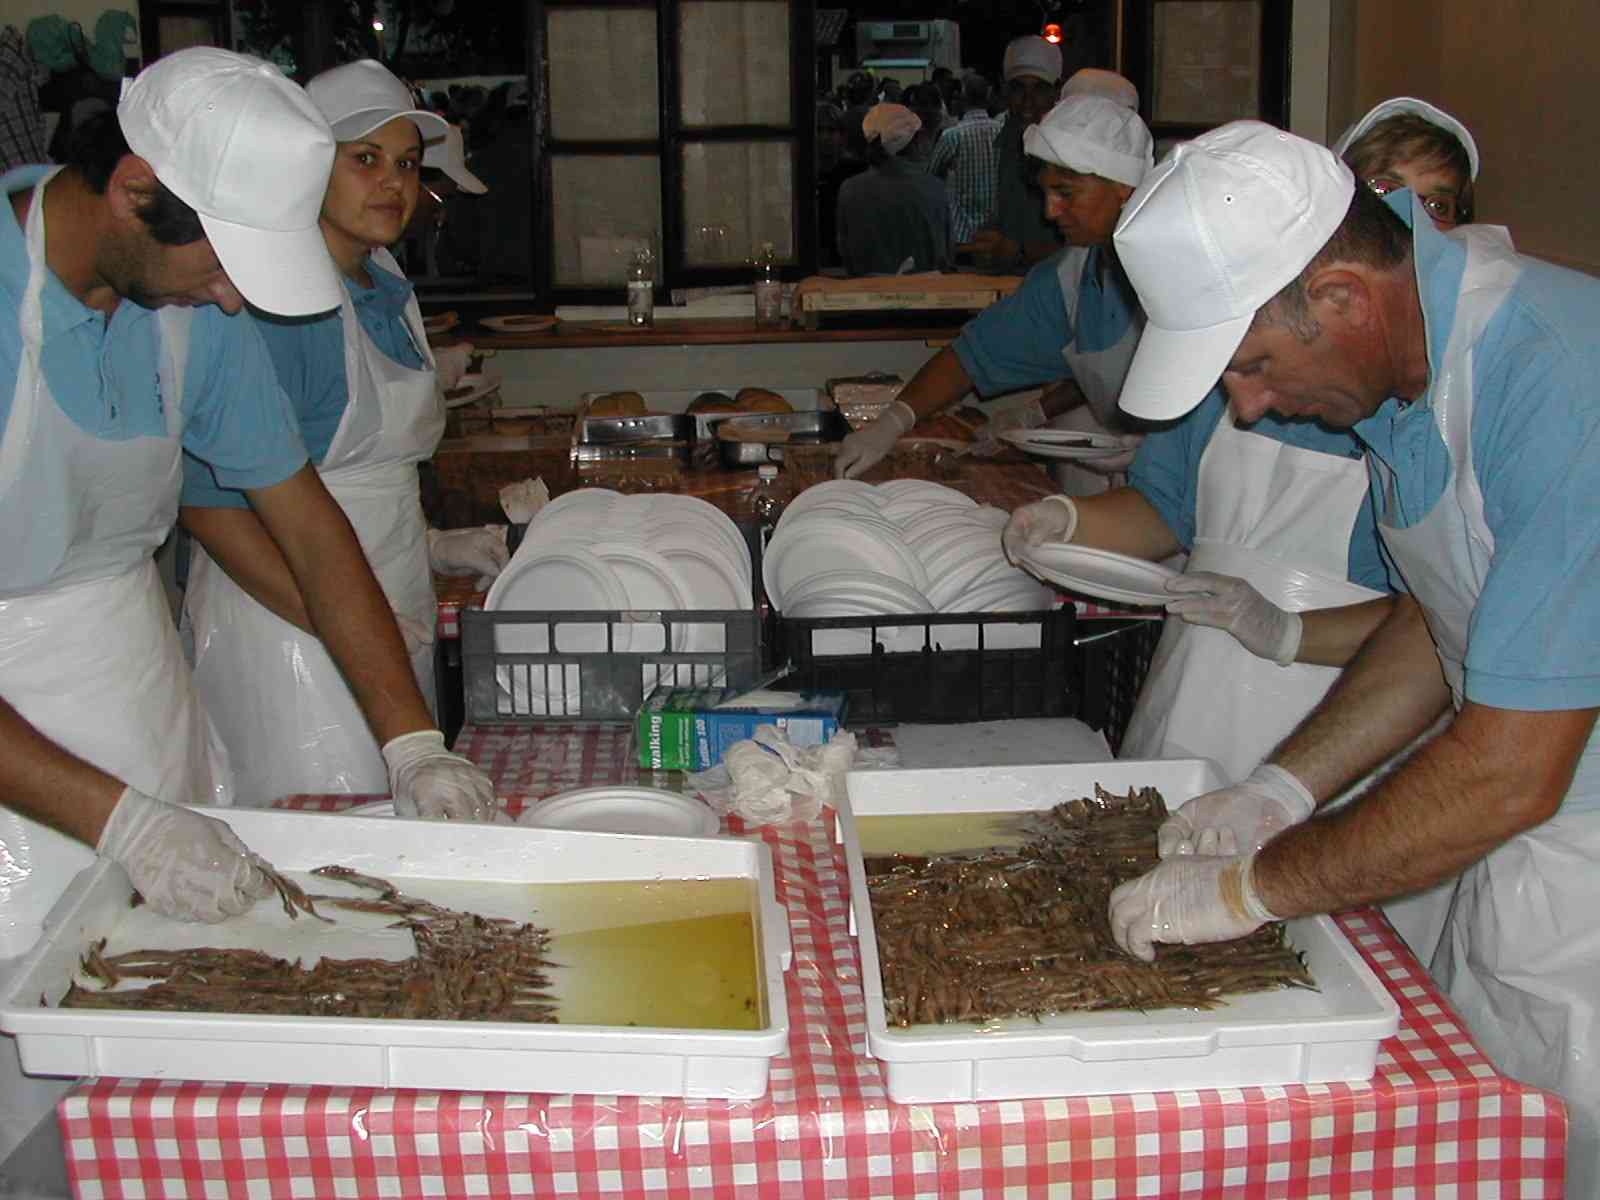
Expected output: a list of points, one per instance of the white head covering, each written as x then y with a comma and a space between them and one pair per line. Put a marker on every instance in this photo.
1032, 55
1093, 136
243, 146
450, 156
892, 124
1410, 104
1092, 81
361, 96
1216, 230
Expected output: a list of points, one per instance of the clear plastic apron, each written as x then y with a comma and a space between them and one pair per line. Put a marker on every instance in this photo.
1099, 374
88, 652
1280, 517
296, 727
1520, 951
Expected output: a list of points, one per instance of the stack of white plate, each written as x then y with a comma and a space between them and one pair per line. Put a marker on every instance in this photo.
595, 549
845, 548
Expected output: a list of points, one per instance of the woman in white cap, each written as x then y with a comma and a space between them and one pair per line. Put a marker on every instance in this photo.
893, 217
364, 385
1404, 142
1074, 315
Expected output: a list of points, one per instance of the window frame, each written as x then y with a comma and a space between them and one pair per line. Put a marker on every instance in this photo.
667, 147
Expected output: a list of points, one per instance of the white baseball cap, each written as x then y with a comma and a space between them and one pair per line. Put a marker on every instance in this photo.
1092, 81
245, 148
1093, 136
360, 96
1216, 230
1421, 108
1032, 55
450, 156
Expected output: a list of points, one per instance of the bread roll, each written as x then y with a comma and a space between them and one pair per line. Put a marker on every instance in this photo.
714, 402
618, 404
753, 399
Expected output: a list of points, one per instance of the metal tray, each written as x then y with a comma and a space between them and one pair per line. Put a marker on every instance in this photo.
801, 428
658, 436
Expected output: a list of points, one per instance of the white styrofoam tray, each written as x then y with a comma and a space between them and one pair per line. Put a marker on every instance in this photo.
456, 1055
1289, 1036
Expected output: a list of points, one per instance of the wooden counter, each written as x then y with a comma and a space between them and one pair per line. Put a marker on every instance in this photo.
706, 331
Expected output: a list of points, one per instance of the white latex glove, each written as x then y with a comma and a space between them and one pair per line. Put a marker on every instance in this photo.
1238, 819
1053, 519
416, 634
865, 448
1188, 900
1027, 415
479, 551
450, 364
428, 781
186, 865
1224, 602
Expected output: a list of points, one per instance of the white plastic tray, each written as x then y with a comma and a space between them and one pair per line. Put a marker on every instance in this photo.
460, 1055
1288, 1036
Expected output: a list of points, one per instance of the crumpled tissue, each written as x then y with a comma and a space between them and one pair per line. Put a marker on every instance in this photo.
767, 779
522, 500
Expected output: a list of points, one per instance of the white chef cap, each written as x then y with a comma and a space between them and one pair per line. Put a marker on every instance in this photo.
892, 124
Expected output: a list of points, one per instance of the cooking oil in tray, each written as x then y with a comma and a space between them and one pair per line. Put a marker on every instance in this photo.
938, 833
673, 954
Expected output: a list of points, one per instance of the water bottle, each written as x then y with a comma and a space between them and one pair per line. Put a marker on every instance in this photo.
768, 499
769, 289
641, 289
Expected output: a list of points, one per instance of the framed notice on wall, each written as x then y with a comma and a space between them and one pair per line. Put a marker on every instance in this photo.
1202, 63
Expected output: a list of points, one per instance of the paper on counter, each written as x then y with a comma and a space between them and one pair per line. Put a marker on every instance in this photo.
523, 500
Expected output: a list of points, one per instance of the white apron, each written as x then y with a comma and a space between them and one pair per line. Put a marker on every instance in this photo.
88, 652
1098, 373
296, 727
1280, 517
1520, 953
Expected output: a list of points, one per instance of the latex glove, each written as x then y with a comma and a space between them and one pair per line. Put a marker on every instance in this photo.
1188, 900
428, 781
1027, 415
1053, 519
479, 551
1238, 819
1224, 602
186, 865
450, 364
865, 448
417, 635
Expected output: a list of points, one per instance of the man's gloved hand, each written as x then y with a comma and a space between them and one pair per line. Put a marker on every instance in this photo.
1224, 602
1053, 519
1027, 415
480, 550
1188, 900
865, 448
450, 364
428, 781
1238, 819
186, 865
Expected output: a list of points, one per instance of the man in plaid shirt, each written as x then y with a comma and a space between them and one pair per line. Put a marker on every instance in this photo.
967, 156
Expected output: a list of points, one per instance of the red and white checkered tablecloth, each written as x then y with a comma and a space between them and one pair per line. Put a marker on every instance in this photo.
1436, 1119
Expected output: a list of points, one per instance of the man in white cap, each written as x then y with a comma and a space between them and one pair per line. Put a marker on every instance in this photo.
1093, 81
893, 217
1018, 235
202, 191
1466, 369
1075, 314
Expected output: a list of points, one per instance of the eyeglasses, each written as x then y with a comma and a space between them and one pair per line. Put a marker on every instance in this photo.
1441, 206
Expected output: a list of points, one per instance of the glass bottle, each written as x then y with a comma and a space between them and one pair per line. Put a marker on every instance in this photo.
769, 288
768, 498
641, 289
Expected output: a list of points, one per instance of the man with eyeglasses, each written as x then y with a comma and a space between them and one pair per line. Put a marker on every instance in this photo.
1468, 371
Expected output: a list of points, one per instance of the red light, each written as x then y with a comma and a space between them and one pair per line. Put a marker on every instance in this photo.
1052, 33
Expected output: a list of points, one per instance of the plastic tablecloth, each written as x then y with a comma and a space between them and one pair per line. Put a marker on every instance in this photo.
1436, 1119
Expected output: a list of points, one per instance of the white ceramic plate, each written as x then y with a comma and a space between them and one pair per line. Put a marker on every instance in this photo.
624, 810
559, 576
519, 323
835, 490
651, 584
1019, 594
440, 322
1065, 443
894, 491
671, 506
812, 548
881, 594
472, 387
1100, 573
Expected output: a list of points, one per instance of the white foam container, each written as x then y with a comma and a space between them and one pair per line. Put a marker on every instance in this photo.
455, 1055
1293, 1035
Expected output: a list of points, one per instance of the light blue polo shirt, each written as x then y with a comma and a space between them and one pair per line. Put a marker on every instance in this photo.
1166, 471
103, 371
308, 356
1534, 640
1017, 342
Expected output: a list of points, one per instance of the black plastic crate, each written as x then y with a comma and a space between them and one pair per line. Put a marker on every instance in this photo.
935, 683
1112, 659
555, 683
